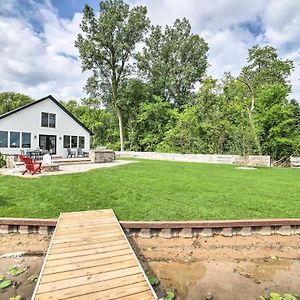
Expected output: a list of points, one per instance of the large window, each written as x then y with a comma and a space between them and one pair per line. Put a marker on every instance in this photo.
14, 139
26, 140
74, 141
48, 120
3, 139
81, 142
67, 143
52, 120
44, 119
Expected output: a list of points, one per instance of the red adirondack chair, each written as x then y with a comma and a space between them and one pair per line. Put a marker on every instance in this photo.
22, 157
31, 166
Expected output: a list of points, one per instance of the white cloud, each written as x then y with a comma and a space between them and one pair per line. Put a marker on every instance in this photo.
219, 22
282, 22
44, 61
230, 57
38, 64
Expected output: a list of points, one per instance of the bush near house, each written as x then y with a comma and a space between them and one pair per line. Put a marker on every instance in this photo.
2, 161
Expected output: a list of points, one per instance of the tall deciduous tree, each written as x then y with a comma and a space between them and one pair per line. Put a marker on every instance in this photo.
11, 100
106, 47
278, 121
173, 60
264, 68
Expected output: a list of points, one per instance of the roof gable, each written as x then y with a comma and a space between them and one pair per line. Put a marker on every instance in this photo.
40, 100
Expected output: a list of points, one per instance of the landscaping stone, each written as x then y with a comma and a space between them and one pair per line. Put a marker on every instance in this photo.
186, 233
206, 232
226, 231
4, 229
296, 229
145, 233
266, 230
166, 233
43, 230
50, 168
24, 229
285, 230
245, 231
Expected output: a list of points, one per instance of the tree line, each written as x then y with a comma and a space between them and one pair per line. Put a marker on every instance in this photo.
160, 98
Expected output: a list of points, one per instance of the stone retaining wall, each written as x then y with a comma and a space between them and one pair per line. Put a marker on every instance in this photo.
168, 233
188, 229
251, 161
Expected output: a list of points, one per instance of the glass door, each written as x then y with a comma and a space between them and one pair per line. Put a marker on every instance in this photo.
48, 142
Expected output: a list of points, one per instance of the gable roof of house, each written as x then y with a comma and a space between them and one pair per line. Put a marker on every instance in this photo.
40, 100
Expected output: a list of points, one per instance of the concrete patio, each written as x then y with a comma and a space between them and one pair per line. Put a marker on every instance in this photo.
66, 168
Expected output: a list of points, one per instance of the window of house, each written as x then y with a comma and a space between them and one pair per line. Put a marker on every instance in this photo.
74, 141
26, 140
81, 142
48, 120
14, 139
52, 120
67, 143
44, 119
3, 139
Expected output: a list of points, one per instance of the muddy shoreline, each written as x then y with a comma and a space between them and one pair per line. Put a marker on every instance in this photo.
223, 267
218, 267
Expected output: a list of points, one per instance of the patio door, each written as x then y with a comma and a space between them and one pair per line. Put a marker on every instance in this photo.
48, 142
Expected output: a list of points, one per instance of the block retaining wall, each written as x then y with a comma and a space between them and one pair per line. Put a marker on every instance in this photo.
251, 161
188, 229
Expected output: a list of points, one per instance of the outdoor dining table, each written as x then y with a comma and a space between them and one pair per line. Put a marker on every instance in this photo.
36, 154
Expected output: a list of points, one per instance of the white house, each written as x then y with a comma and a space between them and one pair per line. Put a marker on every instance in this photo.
43, 124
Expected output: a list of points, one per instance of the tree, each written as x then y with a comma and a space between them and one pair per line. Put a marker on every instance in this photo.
173, 60
264, 67
185, 136
241, 138
11, 100
279, 123
106, 48
132, 93
153, 121
102, 122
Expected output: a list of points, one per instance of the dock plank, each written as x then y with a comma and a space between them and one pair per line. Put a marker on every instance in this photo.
87, 264
94, 287
88, 259
95, 245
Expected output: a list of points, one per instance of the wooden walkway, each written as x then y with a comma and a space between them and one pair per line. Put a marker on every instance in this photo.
90, 257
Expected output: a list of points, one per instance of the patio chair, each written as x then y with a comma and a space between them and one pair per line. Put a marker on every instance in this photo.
32, 166
71, 153
37, 154
82, 153
22, 157
47, 159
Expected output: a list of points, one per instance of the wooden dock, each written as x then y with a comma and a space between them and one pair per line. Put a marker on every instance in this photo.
89, 257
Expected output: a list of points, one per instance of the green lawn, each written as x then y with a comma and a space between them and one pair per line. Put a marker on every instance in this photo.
158, 190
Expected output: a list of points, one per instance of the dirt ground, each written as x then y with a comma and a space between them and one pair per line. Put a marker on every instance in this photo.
11, 246
222, 267
200, 268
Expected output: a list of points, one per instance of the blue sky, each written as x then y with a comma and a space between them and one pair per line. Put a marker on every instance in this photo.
67, 8
38, 57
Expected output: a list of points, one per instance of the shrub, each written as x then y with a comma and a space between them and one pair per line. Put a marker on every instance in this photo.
2, 161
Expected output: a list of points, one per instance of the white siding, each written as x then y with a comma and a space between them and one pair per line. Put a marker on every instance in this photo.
29, 120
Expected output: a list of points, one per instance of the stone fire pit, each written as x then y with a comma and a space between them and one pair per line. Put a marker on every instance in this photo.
50, 167
102, 156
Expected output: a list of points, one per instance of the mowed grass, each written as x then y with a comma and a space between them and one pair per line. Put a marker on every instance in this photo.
158, 190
